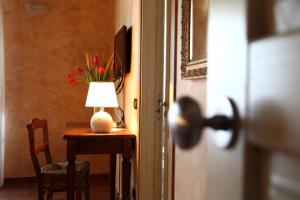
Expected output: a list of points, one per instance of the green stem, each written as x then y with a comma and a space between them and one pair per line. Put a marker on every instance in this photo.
107, 66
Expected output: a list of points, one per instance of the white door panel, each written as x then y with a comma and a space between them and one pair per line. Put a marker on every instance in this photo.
227, 55
258, 67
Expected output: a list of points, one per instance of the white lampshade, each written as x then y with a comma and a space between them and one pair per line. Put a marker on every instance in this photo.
101, 94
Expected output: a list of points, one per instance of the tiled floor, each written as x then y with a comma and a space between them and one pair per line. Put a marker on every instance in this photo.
27, 191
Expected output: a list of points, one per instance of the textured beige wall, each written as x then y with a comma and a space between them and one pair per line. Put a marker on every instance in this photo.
128, 13
39, 52
123, 14
190, 166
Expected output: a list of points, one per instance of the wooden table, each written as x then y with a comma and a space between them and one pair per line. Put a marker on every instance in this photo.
81, 140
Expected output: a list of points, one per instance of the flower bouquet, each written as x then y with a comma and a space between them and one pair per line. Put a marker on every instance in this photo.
96, 71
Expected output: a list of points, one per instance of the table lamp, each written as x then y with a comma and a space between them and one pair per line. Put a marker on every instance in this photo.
101, 95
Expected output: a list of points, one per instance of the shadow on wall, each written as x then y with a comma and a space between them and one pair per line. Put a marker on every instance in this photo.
43, 42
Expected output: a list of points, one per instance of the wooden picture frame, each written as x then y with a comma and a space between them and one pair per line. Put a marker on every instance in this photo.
193, 39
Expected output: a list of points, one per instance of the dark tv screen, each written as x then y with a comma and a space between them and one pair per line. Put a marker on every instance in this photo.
122, 50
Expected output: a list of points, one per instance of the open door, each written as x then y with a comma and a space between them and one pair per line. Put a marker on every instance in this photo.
254, 59
260, 70
227, 76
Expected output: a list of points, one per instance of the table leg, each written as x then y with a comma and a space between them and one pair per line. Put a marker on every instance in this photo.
112, 176
126, 170
126, 166
71, 171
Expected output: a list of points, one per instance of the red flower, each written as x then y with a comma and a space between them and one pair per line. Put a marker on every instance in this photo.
71, 75
79, 70
96, 60
72, 82
101, 69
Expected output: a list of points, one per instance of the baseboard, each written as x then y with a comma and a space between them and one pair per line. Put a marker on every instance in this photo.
16, 180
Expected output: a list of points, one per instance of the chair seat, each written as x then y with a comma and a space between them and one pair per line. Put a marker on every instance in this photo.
61, 168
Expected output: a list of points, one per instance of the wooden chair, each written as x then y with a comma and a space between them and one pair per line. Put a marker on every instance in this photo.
52, 177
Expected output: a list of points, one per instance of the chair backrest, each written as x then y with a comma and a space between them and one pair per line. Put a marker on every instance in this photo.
35, 149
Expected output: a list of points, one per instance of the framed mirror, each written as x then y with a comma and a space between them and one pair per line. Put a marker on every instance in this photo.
194, 31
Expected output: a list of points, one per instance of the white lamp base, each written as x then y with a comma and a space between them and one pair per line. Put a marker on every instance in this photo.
101, 122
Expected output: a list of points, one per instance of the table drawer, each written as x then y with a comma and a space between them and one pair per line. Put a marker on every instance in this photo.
103, 146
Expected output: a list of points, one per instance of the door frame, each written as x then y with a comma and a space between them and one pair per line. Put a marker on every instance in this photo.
171, 63
152, 58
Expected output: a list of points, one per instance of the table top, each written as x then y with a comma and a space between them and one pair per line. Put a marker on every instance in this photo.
83, 130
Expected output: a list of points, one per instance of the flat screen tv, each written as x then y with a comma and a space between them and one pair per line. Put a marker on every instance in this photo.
122, 50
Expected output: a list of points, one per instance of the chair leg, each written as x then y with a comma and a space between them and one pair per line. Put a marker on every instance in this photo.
79, 189
40, 190
40, 193
87, 186
49, 194
50, 189
79, 194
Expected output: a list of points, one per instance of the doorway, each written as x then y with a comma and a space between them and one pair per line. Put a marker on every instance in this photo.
157, 90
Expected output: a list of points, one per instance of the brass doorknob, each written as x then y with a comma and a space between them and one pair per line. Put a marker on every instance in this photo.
186, 123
